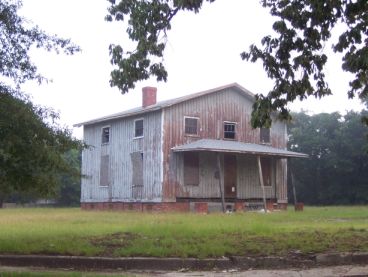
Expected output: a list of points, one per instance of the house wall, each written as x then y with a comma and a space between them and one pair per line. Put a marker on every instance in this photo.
247, 186
121, 149
212, 110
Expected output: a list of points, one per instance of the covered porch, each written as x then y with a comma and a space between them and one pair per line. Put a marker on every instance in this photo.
232, 173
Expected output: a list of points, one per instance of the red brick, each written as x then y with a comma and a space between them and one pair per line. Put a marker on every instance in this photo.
239, 206
282, 206
201, 207
148, 96
134, 206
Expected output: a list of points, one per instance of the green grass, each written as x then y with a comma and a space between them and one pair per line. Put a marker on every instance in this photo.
87, 233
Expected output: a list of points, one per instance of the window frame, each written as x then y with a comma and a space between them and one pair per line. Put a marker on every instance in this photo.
102, 134
197, 131
230, 122
135, 129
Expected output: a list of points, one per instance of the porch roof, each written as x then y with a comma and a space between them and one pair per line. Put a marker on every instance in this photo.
227, 146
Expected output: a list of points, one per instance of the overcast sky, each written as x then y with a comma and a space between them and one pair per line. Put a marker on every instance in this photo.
203, 52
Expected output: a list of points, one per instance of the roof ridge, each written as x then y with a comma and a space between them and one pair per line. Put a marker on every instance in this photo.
166, 103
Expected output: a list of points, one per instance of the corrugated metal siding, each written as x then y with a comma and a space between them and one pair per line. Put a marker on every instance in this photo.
281, 179
248, 179
212, 110
248, 185
208, 185
122, 144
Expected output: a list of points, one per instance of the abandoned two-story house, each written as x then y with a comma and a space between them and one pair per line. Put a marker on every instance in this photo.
176, 154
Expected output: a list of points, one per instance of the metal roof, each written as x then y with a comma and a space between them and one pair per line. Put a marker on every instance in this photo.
167, 103
228, 146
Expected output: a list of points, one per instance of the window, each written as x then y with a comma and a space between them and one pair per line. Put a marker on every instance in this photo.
105, 135
265, 135
104, 171
191, 125
229, 130
191, 169
138, 128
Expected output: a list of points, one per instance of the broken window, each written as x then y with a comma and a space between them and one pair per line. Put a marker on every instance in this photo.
104, 170
191, 126
265, 135
266, 171
138, 128
191, 169
105, 135
229, 130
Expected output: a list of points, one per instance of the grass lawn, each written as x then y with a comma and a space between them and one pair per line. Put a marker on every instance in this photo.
90, 233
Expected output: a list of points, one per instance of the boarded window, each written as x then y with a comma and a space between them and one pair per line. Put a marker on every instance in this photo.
191, 126
104, 170
229, 130
265, 135
137, 174
191, 169
105, 135
266, 171
138, 128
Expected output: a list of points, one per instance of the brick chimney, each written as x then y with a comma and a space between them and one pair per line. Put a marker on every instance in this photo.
148, 96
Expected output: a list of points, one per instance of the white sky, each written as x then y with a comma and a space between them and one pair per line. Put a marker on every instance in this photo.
203, 52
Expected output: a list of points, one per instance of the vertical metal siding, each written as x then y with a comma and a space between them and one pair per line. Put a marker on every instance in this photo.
212, 110
122, 144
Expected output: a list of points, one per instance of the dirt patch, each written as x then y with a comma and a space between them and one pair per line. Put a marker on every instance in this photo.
110, 243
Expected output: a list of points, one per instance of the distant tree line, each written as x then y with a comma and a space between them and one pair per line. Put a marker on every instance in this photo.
337, 169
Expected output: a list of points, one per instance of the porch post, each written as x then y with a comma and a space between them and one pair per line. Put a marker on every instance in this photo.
261, 181
221, 185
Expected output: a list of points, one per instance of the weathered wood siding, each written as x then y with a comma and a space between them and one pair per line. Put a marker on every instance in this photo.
212, 110
120, 148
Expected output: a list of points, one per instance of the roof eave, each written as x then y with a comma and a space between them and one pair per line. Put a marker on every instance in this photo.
285, 155
103, 119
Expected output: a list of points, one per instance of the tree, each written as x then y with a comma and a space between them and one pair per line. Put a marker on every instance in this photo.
31, 141
293, 57
337, 168
68, 193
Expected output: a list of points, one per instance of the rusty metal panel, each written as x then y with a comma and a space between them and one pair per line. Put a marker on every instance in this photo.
122, 143
212, 110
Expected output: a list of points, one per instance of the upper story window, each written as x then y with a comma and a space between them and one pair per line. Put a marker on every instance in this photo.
105, 136
229, 130
264, 135
191, 125
138, 128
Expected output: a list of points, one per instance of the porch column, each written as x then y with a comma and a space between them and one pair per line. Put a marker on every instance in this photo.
261, 181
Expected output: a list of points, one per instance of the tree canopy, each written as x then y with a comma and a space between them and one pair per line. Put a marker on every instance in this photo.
31, 141
337, 169
293, 57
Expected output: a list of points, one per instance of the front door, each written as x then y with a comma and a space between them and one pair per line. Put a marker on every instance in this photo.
230, 174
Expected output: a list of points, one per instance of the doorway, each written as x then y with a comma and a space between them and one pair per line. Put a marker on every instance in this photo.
230, 176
